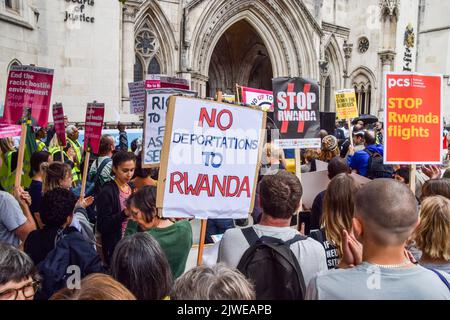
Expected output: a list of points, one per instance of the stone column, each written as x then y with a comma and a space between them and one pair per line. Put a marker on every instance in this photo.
387, 58
389, 17
130, 9
348, 48
199, 84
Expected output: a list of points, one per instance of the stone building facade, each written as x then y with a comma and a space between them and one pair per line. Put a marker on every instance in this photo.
98, 46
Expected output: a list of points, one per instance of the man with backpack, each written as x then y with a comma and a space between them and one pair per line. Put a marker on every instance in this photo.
103, 164
274, 256
376, 265
369, 162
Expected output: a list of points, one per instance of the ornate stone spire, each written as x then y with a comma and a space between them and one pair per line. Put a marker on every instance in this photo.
389, 9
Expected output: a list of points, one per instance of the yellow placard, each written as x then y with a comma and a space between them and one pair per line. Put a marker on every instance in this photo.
346, 106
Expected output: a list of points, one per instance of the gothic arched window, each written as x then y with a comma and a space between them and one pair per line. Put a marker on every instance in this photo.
138, 70
154, 67
363, 91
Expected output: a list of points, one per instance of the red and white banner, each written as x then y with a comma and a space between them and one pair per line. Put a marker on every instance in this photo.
8, 130
413, 113
28, 86
257, 97
94, 122
156, 81
58, 119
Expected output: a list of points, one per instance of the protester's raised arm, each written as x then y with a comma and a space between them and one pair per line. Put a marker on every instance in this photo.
23, 199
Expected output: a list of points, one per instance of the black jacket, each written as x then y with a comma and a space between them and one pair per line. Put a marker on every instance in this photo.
316, 211
56, 269
109, 218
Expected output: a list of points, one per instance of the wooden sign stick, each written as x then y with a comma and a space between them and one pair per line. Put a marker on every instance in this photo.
23, 137
298, 173
219, 96
201, 244
85, 173
61, 148
412, 178
238, 94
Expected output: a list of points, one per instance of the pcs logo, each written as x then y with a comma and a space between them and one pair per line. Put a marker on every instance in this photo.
399, 83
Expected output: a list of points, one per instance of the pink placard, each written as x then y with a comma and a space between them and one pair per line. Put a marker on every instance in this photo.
160, 81
7, 130
58, 118
94, 122
28, 86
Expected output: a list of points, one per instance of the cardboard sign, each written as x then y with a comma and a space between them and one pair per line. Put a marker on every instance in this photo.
346, 106
58, 119
28, 86
315, 182
257, 97
157, 81
413, 113
137, 97
210, 159
94, 123
155, 124
297, 113
230, 98
9, 130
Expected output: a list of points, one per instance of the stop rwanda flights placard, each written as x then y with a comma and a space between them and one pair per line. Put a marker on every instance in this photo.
297, 113
210, 159
413, 113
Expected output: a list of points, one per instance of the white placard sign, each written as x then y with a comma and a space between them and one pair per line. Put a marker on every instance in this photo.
137, 97
155, 123
210, 160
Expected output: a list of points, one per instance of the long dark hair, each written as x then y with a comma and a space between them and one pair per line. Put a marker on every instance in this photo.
338, 207
140, 264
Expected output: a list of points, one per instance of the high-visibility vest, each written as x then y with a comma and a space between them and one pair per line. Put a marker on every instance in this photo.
77, 147
76, 178
40, 146
7, 178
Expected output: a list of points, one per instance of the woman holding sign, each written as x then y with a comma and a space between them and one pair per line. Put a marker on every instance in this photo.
112, 217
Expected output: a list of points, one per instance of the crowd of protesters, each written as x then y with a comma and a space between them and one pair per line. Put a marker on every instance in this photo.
379, 240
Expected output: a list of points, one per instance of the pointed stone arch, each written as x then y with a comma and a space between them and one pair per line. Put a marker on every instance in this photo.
290, 42
334, 74
14, 62
364, 82
152, 18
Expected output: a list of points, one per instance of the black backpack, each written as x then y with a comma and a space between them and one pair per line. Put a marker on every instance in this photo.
376, 169
272, 267
93, 188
